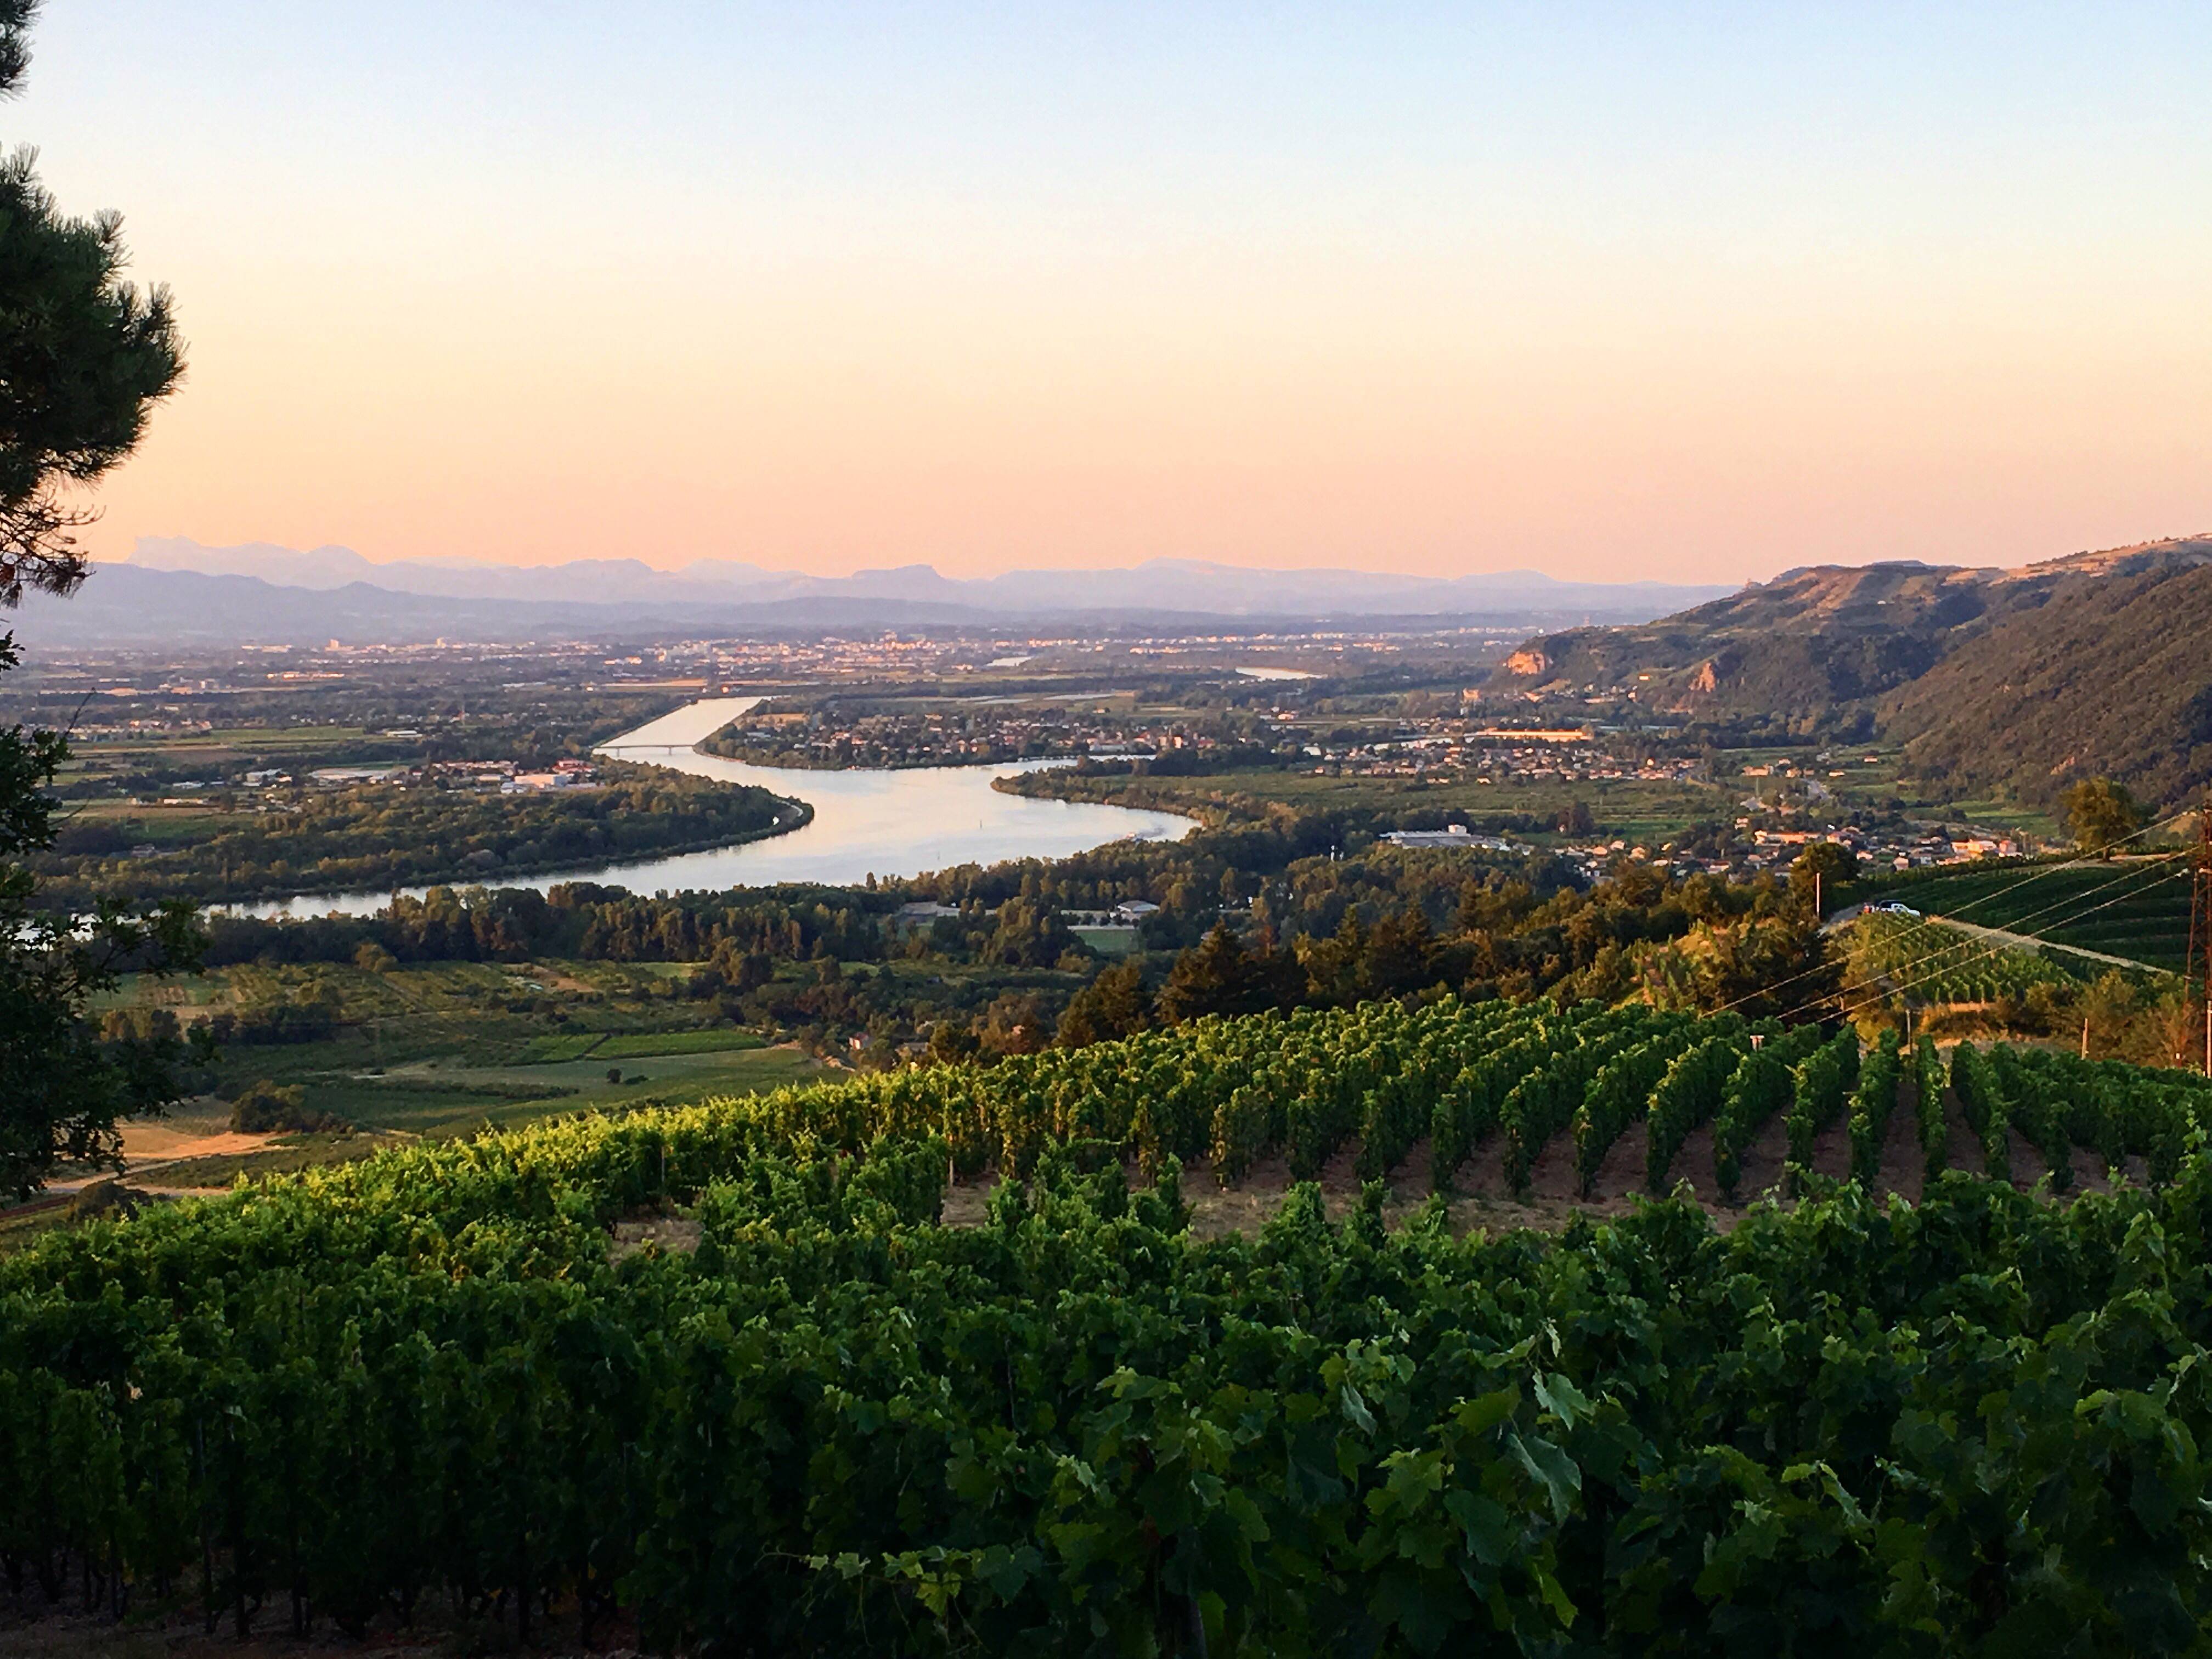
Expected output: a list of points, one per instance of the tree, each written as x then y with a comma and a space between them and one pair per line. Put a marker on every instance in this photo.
1016, 1024
2101, 814
1402, 954
1220, 977
83, 356
1112, 1005
1776, 965
2107, 1006
1816, 872
65, 1083
1030, 934
952, 1040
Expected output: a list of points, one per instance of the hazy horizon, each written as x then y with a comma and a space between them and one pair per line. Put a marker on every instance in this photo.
134, 555
161, 546
1615, 296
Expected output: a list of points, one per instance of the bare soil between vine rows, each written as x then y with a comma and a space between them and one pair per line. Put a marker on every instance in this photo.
1484, 1199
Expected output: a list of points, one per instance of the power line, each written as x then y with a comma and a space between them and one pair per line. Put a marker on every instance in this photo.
2041, 938
1925, 923
2057, 904
1994, 949
2048, 871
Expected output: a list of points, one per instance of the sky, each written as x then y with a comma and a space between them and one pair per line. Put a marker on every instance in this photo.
1689, 292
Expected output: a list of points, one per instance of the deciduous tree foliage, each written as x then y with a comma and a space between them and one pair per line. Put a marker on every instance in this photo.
1113, 1005
2101, 813
1821, 868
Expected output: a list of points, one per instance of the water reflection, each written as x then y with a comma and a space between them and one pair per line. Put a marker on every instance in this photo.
865, 821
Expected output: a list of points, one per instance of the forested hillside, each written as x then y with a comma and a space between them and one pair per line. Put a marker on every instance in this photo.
1804, 644
2109, 677
2017, 681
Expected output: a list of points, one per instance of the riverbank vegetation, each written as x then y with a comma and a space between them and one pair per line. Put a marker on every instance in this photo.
1635, 809
831, 734
345, 723
374, 836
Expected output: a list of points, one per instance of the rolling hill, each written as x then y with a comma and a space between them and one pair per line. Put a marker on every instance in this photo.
1804, 643
2017, 680
2109, 676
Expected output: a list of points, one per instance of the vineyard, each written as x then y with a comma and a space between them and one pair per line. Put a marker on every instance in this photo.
2131, 907
425, 1381
1945, 964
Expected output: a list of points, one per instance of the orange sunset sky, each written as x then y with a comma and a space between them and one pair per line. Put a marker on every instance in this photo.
1689, 294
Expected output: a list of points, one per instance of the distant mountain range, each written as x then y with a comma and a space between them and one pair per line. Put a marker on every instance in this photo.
2021, 680
1158, 585
175, 589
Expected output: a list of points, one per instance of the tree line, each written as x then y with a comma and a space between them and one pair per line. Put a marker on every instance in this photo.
371, 836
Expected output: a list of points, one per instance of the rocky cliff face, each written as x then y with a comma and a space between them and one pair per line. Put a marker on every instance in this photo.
2021, 680
1813, 640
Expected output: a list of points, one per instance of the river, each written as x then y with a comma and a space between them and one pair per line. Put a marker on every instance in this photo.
866, 823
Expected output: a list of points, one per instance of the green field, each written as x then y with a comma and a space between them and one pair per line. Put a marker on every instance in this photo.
444, 1048
565, 1045
1108, 941
2133, 908
724, 1040
1633, 809
451, 1097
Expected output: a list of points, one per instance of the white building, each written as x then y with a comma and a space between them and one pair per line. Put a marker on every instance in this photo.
1456, 835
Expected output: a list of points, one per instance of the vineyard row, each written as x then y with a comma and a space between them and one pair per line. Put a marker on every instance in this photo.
841, 1428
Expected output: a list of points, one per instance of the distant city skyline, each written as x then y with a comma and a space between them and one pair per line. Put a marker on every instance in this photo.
1616, 295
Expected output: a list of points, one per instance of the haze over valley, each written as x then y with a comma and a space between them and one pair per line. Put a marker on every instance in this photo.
174, 589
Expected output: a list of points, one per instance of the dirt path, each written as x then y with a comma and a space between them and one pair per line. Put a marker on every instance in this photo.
150, 1148
2027, 942
147, 1146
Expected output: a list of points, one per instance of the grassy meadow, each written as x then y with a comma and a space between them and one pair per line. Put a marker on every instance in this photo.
440, 1050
